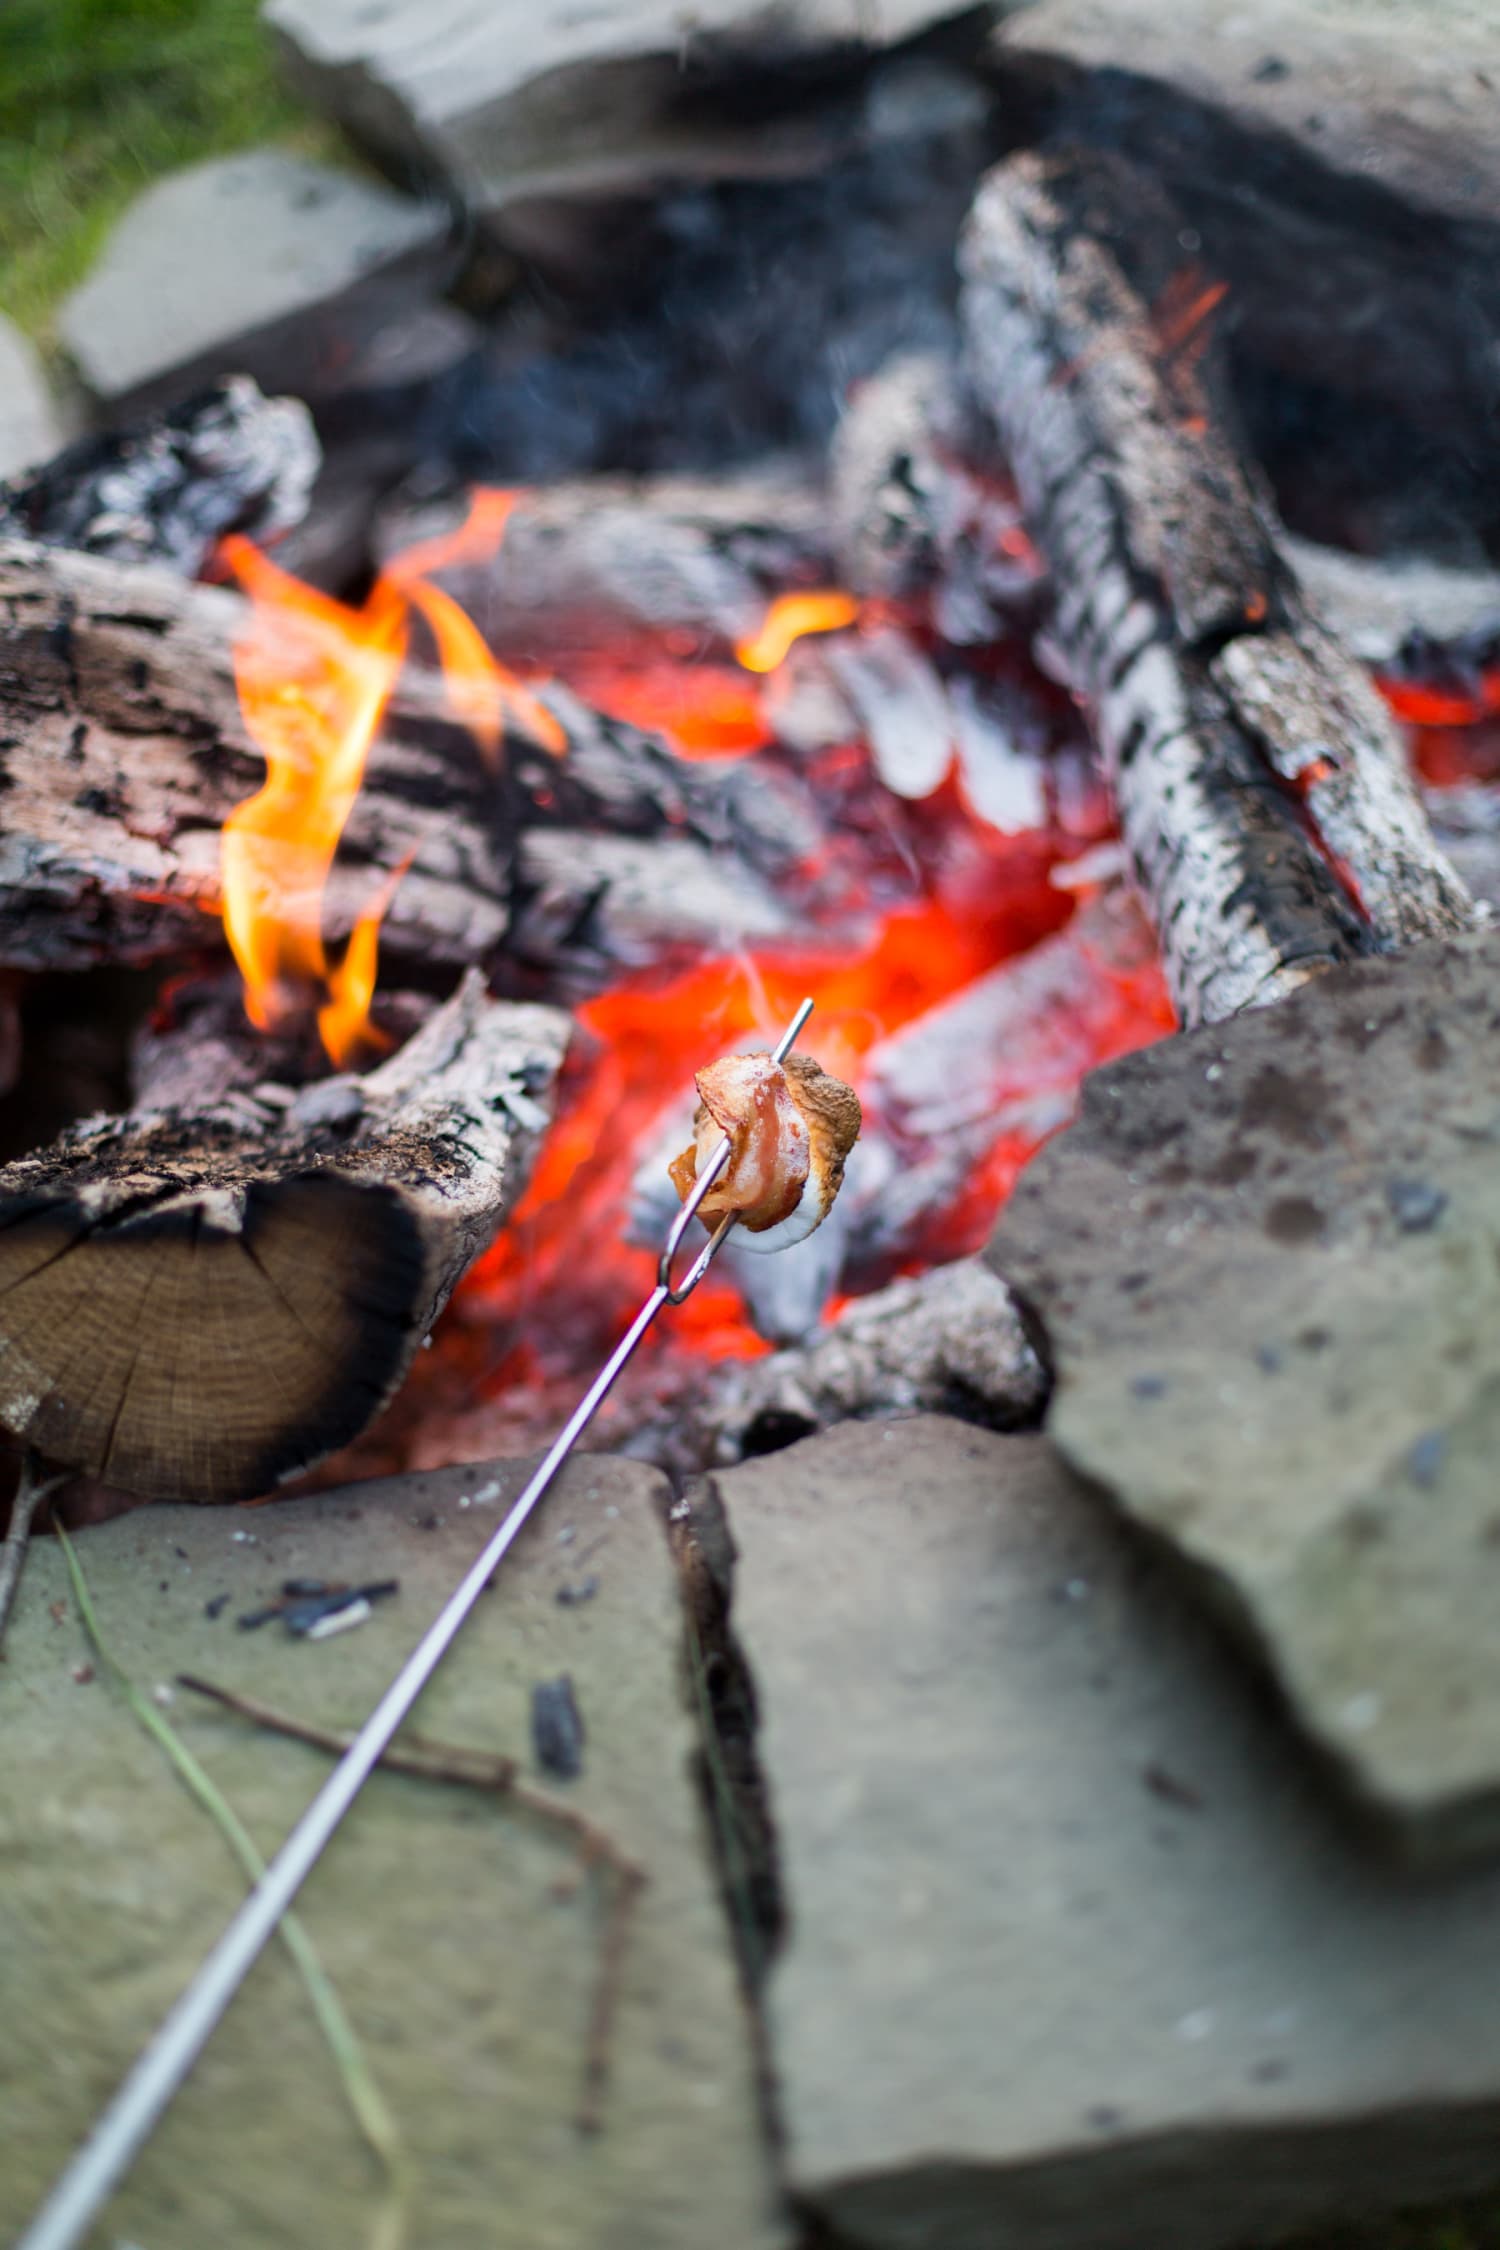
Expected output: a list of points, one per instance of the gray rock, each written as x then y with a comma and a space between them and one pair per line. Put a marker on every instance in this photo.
31, 428
463, 1951
513, 106
1350, 143
1267, 1261
299, 275
1078, 1954
1390, 93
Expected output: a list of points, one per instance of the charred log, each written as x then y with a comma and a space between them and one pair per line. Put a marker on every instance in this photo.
605, 560
167, 488
1401, 613
922, 507
1247, 752
197, 1304
947, 1342
123, 749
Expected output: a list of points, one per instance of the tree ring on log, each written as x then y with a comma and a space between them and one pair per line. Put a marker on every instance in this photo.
204, 1334
197, 1305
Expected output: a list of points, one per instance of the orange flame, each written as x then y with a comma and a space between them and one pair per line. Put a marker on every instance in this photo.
788, 619
344, 1023
314, 678
481, 690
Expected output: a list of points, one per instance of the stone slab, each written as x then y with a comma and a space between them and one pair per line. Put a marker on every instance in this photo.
438, 1913
1081, 1956
514, 106
1267, 1262
1395, 94
31, 428
1348, 143
263, 264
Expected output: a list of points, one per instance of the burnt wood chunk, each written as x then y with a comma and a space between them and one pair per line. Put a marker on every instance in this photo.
122, 750
168, 487
196, 1306
1261, 786
605, 561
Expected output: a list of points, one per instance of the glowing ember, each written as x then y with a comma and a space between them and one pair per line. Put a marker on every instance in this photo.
906, 906
703, 710
1427, 706
788, 619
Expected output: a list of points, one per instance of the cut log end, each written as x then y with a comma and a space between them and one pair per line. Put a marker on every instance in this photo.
200, 1308
178, 1356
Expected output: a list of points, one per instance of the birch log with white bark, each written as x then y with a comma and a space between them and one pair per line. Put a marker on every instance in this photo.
1261, 785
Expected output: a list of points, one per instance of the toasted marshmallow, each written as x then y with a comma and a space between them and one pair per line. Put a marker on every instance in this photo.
790, 1127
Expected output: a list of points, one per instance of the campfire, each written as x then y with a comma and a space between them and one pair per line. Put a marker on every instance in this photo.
665, 755
832, 798
370, 929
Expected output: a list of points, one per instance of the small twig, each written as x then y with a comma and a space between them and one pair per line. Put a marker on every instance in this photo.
30, 1493
630, 1881
456, 1763
361, 2090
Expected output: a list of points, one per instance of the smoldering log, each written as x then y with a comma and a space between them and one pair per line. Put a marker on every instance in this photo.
1247, 751
606, 560
922, 509
921, 503
951, 1341
1403, 613
124, 750
198, 1305
168, 487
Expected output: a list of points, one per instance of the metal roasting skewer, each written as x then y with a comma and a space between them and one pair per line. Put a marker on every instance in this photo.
122, 2129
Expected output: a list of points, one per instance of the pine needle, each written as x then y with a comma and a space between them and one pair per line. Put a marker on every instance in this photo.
363, 2094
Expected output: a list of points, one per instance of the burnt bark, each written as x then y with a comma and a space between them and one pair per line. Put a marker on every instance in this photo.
921, 504
606, 560
122, 750
951, 1341
168, 487
199, 1301
1261, 784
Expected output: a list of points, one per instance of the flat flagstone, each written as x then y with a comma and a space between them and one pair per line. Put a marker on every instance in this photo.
511, 105
1081, 1954
31, 426
463, 1949
1267, 1261
264, 264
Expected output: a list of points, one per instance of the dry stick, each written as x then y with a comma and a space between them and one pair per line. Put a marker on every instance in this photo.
426, 1760
30, 1493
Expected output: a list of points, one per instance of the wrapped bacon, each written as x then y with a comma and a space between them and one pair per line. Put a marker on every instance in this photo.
791, 1127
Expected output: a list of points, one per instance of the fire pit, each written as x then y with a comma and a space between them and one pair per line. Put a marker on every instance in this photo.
877, 585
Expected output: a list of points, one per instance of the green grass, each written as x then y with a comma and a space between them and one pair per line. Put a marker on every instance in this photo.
99, 97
